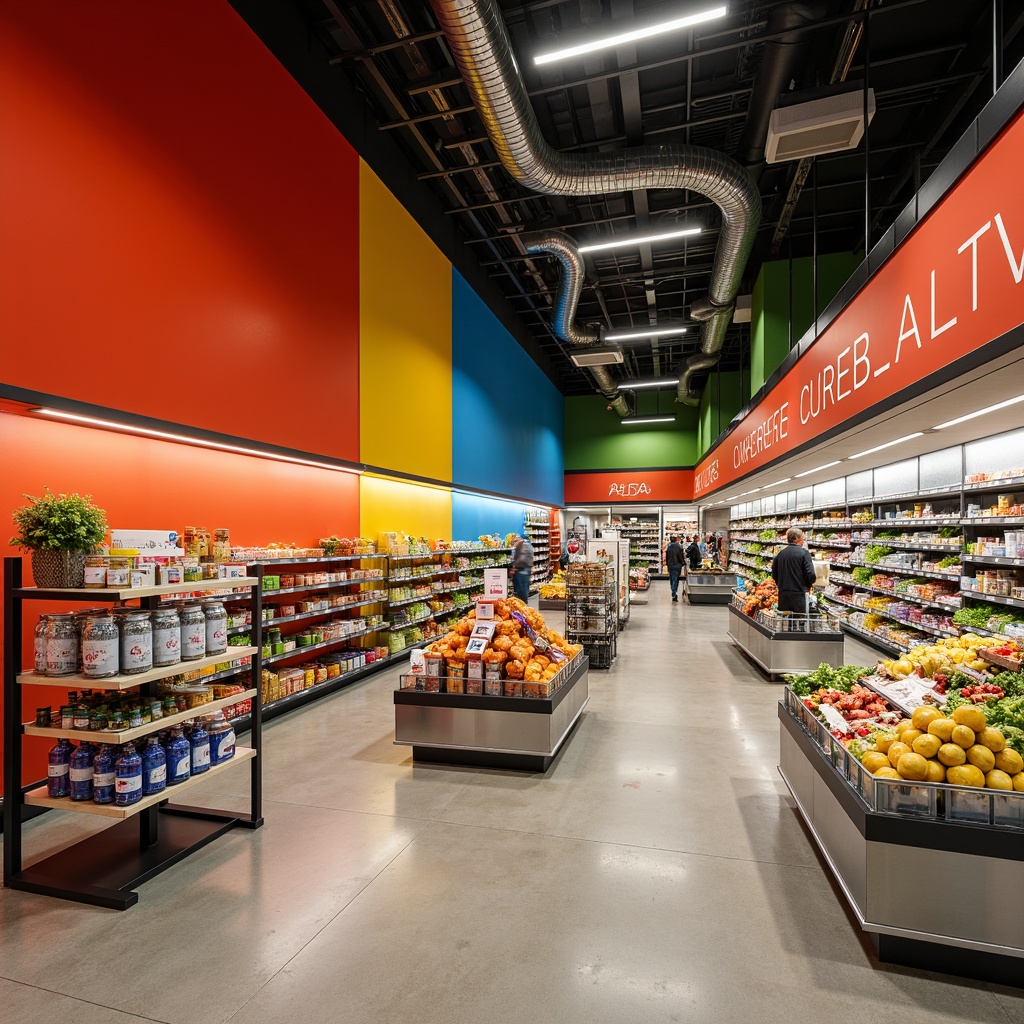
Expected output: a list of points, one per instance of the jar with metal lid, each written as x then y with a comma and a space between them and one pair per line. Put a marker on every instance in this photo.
61, 645
193, 631
100, 648
39, 644
221, 546
166, 636
136, 643
216, 626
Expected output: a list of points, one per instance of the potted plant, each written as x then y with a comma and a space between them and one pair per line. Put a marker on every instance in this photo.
59, 530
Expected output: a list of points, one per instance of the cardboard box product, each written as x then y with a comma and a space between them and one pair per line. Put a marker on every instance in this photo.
152, 542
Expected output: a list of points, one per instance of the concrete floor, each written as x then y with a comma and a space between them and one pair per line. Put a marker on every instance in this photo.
657, 872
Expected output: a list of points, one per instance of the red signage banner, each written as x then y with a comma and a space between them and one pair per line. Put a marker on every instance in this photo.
952, 287
638, 487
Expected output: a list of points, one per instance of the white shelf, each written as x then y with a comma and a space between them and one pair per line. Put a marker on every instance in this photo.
38, 798
129, 735
128, 593
120, 683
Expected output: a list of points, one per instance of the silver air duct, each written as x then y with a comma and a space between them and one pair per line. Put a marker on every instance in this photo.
480, 46
563, 309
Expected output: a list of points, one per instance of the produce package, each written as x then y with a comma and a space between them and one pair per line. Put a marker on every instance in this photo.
764, 597
943, 656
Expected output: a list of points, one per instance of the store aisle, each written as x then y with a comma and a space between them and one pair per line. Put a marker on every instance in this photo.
657, 872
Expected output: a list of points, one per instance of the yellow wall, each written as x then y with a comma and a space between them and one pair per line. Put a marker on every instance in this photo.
405, 339
393, 505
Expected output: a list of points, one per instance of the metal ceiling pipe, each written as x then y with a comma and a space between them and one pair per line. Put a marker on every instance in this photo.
482, 51
563, 308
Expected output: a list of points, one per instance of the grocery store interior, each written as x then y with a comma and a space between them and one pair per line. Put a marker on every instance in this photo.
337, 328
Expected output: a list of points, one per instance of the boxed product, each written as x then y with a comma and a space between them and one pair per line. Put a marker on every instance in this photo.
163, 542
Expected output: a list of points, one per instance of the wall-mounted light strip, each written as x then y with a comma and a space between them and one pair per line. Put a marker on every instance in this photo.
654, 332
888, 444
817, 469
784, 480
163, 435
631, 421
632, 36
980, 412
630, 241
660, 382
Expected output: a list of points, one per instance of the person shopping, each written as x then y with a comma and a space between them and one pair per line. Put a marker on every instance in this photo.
674, 560
793, 572
522, 563
693, 555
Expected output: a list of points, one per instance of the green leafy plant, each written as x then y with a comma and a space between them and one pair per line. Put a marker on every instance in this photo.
61, 522
875, 553
948, 562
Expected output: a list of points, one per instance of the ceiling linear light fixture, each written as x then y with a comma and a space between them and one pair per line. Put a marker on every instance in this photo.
628, 241
654, 332
888, 444
163, 435
980, 412
634, 420
656, 382
632, 36
784, 480
817, 469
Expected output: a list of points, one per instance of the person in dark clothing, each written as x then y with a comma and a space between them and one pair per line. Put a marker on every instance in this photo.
793, 572
693, 555
674, 560
522, 563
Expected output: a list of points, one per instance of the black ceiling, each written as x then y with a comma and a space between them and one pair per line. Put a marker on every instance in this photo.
930, 64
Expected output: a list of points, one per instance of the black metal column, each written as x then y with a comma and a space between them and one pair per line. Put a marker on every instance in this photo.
12, 719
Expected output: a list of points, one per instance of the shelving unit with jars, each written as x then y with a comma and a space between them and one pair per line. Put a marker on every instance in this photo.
150, 833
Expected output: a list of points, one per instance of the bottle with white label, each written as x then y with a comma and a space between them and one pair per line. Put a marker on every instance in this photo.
39, 645
136, 643
154, 767
58, 780
222, 738
128, 777
193, 631
216, 627
103, 781
199, 741
179, 758
166, 636
61, 645
81, 773
101, 648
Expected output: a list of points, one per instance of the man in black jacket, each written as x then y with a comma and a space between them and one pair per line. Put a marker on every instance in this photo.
693, 555
674, 563
793, 572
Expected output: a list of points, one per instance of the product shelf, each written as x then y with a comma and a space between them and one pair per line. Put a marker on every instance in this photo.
911, 598
1012, 602
909, 521
993, 521
992, 560
918, 626
323, 560
907, 571
38, 798
886, 645
183, 590
274, 658
994, 485
412, 600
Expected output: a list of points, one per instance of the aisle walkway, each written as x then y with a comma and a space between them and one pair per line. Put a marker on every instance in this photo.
658, 872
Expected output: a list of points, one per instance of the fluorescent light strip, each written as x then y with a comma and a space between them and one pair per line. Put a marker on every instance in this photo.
628, 241
817, 469
633, 385
784, 480
888, 444
980, 412
654, 332
185, 439
631, 36
631, 420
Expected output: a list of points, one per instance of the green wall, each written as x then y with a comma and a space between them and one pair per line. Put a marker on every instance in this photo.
770, 313
723, 397
596, 439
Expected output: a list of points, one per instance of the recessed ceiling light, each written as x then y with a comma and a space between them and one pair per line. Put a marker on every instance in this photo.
980, 412
632, 36
629, 241
818, 469
654, 332
888, 444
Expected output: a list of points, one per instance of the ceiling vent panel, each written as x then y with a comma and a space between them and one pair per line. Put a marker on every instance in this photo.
829, 124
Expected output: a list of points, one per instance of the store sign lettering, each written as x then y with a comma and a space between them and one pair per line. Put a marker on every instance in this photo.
705, 478
628, 490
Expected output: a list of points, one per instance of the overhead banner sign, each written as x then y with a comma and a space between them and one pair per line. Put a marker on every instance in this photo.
955, 284
651, 487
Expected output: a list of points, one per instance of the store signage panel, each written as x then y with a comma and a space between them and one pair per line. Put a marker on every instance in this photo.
654, 486
956, 284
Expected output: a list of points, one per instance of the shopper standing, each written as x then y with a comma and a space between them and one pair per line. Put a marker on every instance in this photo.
674, 560
693, 555
522, 563
793, 572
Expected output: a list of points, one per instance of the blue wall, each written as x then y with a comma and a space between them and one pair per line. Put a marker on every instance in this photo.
474, 515
508, 419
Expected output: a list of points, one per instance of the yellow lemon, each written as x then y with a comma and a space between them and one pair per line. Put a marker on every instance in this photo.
887, 773
991, 738
942, 727
909, 735
936, 772
951, 755
966, 775
897, 750
926, 745
971, 716
906, 723
962, 736
924, 716
996, 779
1009, 761
875, 759
981, 757
1018, 782
912, 766
885, 740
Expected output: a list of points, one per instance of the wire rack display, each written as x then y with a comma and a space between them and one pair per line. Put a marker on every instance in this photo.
591, 611
794, 622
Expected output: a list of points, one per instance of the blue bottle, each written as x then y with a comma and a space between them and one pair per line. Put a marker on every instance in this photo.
103, 780
222, 739
199, 741
128, 777
179, 758
58, 782
81, 773
154, 768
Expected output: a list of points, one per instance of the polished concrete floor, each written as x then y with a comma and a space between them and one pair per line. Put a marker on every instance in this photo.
657, 872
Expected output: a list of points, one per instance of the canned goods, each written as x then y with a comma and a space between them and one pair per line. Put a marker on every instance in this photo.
43, 717
100, 648
166, 636
136, 643
61, 645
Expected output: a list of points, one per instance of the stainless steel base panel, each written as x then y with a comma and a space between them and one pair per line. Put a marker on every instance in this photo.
933, 908
784, 653
716, 590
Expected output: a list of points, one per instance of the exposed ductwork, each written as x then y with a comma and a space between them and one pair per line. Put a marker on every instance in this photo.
563, 309
480, 46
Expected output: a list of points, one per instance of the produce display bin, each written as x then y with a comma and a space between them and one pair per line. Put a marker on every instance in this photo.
490, 731
929, 870
780, 643
709, 587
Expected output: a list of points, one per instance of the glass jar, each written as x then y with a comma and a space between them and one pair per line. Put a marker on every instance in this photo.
136, 643
61, 645
100, 648
221, 546
193, 631
166, 636
216, 627
39, 644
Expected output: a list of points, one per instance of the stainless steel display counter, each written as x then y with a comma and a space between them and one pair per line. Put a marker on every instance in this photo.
710, 587
930, 892
523, 733
779, 652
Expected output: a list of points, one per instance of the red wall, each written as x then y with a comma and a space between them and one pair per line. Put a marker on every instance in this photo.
179, 223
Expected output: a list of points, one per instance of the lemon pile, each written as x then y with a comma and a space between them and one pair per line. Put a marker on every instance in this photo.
962, 750
945, 655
